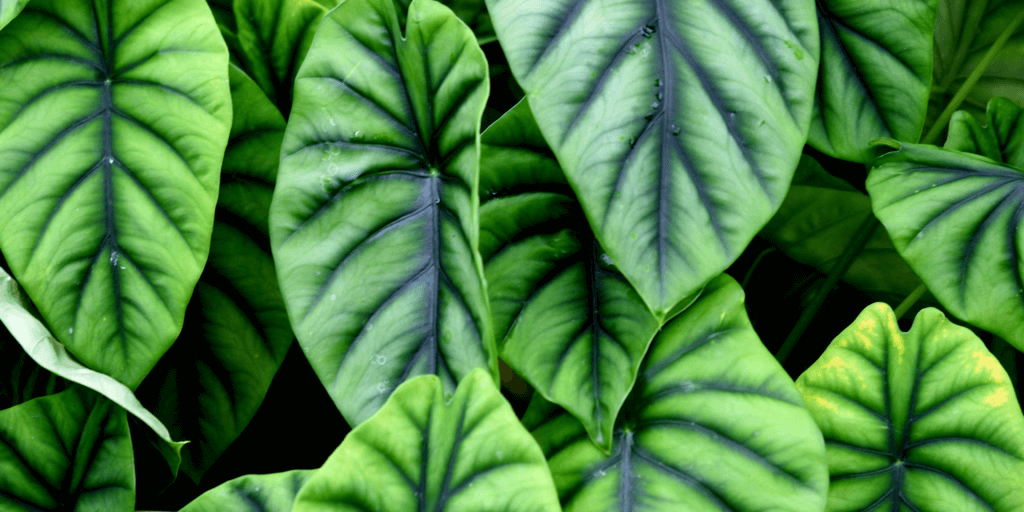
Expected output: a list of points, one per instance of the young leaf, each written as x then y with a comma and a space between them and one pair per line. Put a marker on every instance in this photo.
474, 13
210, 384
567, 322
69, 451
713, 423
110, 155
817, 220
9, 9
924, 420
423, 451
677, 124
253, 493
956, 219
876, 69
374, 219
1000, 139
964, 33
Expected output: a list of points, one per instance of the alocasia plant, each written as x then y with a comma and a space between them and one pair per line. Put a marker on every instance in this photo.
186, 187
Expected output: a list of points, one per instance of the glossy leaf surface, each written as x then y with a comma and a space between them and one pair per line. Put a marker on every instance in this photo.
109, 162
956, 218
876, 68
713, 423
9, 9
427, 451
1001, 138
566, 320
210, 384
677, 124
964, 32
817, 221
923, 420
374, 220
253, 493
69, 451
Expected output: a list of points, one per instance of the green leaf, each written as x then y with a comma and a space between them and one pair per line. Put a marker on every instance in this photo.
253, 493
964, 33
1000, 139
69, 451
109, 162
430, 451
818, 219
22, 379
273, 37
955, 218
9, 9
50, 354
210, 384
713, 423
876, 69
677, 124
474, 13
924, 420
374, 222
567, 322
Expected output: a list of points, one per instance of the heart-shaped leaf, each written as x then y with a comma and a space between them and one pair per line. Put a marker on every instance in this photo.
210, 384
374, 220
678, 124
956, 218
567, 322
9, 9
474, 13
923, 420
876, 69
253, 493
816, 222
69, 451
1000, 139
110, 155
423, 451
964, 32
713, 423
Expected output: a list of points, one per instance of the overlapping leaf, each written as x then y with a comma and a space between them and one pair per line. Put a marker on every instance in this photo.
374, 219
876, 69
566, 320
817, 221
713, 423
956, 219
22, 379
210, 384
253, 493
964, 32
677, 124
69, 451
110, 154
423, 451
474, 13
9, 9
925, 420
1000, 139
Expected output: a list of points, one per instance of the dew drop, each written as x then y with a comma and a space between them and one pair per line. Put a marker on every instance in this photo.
331, 120
110, 160
659, 95
675, 130
380, 359
334, 297
657, 82
357, 135
71, 330
113, 257
632, 142
656, 104
767, 79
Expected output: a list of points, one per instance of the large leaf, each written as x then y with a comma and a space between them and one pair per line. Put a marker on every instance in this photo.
69, 451
253, 493
22, 379
435, 453
713, 423
474, 13
9, 9
956, 218
876, 70
114, 124
567, 322
817, 221
210, 384
964, 33
678, 124
374, 218
925, 420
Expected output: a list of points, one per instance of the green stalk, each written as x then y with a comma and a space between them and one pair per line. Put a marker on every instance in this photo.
910, 300
936, 130
838, 270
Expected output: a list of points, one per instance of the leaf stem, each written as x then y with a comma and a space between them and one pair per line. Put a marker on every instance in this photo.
908, 302
757, 261
940, 124
853, 249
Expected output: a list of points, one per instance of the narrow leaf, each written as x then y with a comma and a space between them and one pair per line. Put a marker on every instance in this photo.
374, 220
923, 420
678, 124
114, 126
